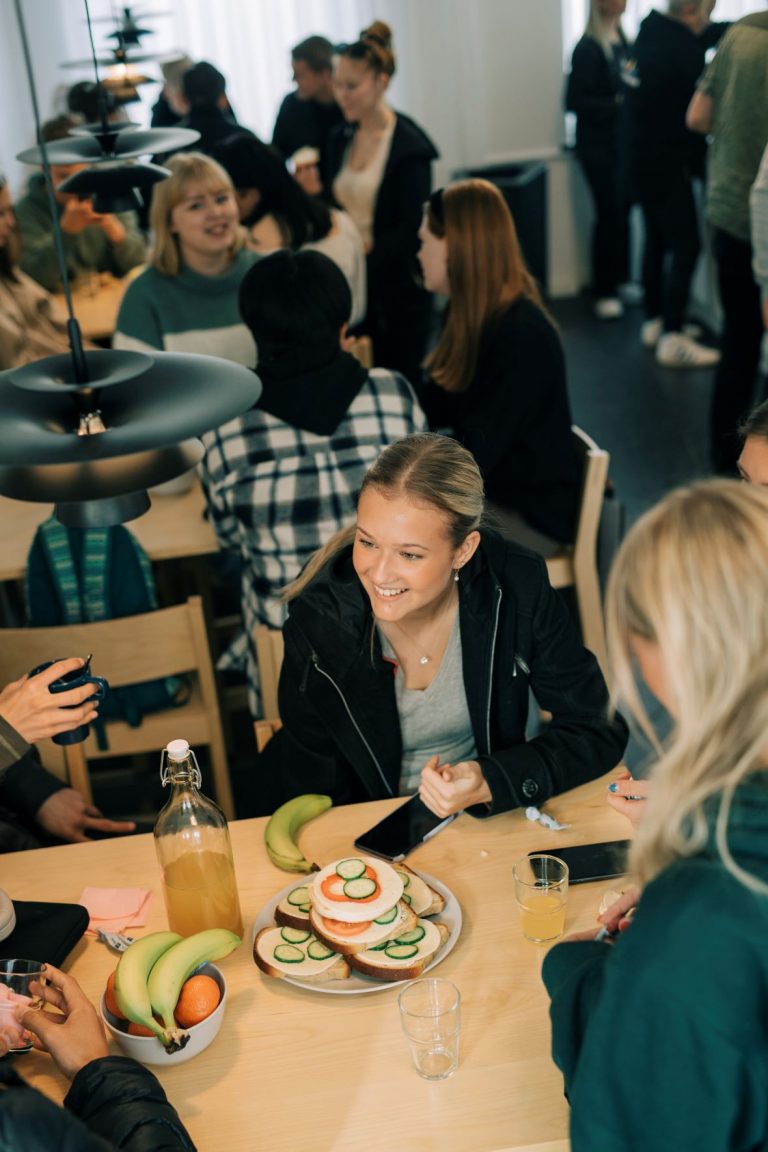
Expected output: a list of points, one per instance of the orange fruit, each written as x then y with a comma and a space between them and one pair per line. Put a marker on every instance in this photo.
138, 1030
110, 999
199, 997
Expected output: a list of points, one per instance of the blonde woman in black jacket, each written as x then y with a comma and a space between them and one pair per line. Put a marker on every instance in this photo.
411, 644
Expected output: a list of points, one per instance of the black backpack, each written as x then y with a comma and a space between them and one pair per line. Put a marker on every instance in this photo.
78, 575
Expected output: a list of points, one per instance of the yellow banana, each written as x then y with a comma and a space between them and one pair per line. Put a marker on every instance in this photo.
175, 965
283, 827
131, 977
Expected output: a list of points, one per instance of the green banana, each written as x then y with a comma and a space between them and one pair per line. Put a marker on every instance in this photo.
283, 826
175, 965
131, 978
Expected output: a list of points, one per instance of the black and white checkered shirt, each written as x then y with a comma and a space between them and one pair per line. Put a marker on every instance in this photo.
277, 493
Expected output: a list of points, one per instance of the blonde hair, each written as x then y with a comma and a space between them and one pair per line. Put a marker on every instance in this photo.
597, 28
691, 578
486, 273
427, 468
186, 168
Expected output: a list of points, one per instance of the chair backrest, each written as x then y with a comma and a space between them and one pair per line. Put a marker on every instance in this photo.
595, 461
269, 656
166, 642
362, 350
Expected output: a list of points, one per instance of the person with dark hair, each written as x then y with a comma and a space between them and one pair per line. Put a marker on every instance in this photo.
93, 241
731, 104
594, 94
380, 170
498, 371
278, 213
206, 107
113, 1101
413, 643
753, 458
282, 478
169, 109
307, 115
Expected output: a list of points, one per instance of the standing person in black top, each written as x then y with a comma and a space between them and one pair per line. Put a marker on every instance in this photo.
204, 95
663, 159
594, 93
498, 371
309, 114
380, 171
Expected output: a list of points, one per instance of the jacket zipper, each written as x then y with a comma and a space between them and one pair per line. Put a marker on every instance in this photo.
490, 670
354, 722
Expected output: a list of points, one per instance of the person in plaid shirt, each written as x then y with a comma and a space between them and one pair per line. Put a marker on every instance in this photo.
283, 477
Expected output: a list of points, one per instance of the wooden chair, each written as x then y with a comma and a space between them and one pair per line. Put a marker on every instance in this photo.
362, 350
269, 656
167, 642
576, 566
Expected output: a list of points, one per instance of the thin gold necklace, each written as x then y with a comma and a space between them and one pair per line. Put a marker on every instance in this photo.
425, 658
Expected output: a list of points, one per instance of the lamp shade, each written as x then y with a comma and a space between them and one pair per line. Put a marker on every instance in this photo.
112, 184
115, 144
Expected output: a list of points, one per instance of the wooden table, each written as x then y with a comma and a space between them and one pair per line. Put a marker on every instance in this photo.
331, 1072
173, 528
96, 300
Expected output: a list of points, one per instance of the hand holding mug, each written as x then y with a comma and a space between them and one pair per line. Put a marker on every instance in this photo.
29, 706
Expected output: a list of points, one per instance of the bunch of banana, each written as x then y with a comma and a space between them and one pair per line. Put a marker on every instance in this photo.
282, 829
151, 971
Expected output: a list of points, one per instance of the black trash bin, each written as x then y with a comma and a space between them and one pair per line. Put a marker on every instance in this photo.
524, 187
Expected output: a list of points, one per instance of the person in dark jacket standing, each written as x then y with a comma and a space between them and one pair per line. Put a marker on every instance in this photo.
662, 1035
309, 114
663, 159
380, 172
412, 643
594, 93
498, 371
114, 1102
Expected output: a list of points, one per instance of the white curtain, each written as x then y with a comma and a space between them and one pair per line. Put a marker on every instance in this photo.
575, 16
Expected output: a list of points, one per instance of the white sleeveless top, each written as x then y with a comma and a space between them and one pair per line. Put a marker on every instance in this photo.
357, 192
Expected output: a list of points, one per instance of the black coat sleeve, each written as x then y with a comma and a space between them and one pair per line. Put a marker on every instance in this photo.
588, 89
124, 1103
403, 193
26, 786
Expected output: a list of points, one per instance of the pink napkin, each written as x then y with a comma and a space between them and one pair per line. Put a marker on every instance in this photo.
114, 909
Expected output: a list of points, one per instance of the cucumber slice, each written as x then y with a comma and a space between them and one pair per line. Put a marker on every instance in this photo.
408, 899
379, 947
350, 869
400, 951
359, 889
297, 935
304, 908
404, 877
288, 954
412, 937
299, 896
388, 917
318, 951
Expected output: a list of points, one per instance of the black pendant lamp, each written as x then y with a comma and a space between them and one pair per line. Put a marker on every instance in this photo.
91, 431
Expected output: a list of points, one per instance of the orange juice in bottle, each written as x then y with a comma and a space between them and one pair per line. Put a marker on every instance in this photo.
194, 851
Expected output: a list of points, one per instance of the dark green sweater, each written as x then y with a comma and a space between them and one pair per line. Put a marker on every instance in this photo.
663, 1038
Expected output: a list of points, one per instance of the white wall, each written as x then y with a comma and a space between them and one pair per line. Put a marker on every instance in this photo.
484, 77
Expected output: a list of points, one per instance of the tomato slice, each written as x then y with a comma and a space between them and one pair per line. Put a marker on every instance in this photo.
332, 888
341, 928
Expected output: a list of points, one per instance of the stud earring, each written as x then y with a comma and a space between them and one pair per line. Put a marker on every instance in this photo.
456, 575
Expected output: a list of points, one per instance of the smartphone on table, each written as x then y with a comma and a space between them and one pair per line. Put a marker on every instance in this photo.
402, 830
591, 861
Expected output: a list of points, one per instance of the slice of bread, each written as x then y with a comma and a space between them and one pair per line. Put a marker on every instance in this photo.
383, 967
307, 970
425, 900
375, 934
289, 914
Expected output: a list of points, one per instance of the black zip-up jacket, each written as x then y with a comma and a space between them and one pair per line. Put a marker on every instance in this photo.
594, 93
341, 733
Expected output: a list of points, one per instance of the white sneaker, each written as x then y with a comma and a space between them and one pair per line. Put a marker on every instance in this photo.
676, 350
609, 308
631, 292
652, 330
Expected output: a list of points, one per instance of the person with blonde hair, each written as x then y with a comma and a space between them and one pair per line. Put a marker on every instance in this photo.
663, 1037
594, 94
412, 643
498, 371
379, 169
186, 300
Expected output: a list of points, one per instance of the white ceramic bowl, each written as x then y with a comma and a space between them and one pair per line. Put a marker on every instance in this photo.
149, 1050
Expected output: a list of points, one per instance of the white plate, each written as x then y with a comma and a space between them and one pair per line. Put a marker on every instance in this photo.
357, 983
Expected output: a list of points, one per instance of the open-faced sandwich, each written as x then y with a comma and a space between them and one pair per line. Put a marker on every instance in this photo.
357, 912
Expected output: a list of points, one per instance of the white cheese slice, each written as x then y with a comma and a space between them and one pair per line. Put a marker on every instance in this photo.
428, 944
373, 935
267, 943
419, 892
356, 911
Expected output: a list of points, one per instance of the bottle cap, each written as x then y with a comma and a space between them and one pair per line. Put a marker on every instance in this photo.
178, 749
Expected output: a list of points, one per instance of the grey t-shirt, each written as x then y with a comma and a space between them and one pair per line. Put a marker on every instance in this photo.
435, 719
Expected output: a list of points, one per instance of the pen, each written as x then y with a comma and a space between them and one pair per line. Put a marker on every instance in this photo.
605, 934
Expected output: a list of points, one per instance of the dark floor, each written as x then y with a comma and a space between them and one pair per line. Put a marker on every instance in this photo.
652, 420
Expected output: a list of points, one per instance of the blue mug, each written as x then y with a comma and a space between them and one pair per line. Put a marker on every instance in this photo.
74, 679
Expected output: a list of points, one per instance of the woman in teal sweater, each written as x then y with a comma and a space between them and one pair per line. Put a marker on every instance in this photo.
186, 301
662, 1036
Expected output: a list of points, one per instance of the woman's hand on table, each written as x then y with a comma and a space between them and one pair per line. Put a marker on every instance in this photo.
449, 788
616, 917
623, 787
29, 707
67, 815
75, 1035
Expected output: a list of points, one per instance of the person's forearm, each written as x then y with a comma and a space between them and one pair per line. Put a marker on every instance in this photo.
12, 745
